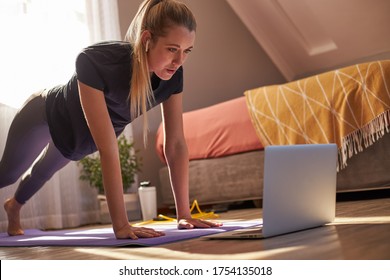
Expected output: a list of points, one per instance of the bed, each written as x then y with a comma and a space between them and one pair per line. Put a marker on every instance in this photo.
348, 106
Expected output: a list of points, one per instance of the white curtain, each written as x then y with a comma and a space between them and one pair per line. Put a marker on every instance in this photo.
103, 20
40, 40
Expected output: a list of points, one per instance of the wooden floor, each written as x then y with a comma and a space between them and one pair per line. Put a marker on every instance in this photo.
360, 231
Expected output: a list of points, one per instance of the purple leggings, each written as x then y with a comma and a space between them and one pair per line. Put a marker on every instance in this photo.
29, 151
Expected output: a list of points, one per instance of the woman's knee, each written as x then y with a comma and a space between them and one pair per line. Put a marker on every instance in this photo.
8, 177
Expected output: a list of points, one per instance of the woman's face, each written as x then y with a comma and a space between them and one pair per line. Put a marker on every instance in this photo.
168, 53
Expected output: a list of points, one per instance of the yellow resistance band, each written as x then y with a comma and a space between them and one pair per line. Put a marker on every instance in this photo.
199, 215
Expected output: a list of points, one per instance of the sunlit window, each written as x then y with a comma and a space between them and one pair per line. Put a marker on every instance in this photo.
39, 41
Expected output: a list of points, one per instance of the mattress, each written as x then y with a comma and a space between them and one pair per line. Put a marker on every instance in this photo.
232, 178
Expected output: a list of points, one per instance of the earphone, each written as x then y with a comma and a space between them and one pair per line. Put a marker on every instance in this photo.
147, 46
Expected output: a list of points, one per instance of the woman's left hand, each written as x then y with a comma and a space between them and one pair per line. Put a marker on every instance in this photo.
196, 223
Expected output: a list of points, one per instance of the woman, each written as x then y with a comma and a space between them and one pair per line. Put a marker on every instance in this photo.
114, 83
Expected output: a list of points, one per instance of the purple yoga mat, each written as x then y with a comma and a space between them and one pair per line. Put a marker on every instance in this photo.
104, 237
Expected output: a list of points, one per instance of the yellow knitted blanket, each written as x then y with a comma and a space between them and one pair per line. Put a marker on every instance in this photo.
348, 106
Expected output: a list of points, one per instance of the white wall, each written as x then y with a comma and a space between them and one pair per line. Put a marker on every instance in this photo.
304, 37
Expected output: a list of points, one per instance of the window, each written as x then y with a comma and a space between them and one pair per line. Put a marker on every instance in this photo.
40, 40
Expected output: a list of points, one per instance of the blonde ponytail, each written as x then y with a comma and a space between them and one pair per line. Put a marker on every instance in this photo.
156, 16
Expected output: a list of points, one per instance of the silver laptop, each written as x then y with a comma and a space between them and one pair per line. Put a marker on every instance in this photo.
299, 190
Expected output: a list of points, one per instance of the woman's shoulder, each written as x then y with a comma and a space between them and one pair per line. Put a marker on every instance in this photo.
109, 50
110, 45
103, 64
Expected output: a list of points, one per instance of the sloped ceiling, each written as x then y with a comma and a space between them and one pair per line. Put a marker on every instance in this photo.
304, 37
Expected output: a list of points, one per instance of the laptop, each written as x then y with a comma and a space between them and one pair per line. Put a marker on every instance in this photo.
299, 191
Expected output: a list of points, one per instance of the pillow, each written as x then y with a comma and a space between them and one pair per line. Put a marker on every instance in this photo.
219, 130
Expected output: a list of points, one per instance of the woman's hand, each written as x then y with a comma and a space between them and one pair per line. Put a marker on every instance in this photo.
129, 232
190, 223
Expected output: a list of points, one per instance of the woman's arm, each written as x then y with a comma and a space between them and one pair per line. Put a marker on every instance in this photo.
99, 123
176, 154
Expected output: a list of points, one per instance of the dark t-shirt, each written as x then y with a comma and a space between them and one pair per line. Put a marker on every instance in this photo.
106, 67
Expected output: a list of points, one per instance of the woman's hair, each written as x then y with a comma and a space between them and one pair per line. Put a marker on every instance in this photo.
156, 16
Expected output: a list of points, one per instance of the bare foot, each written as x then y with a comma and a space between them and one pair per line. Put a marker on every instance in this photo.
12, 207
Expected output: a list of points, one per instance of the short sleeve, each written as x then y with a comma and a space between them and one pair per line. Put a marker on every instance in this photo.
87, 72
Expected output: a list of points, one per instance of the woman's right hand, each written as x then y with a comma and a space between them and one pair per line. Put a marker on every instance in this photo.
130, 232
